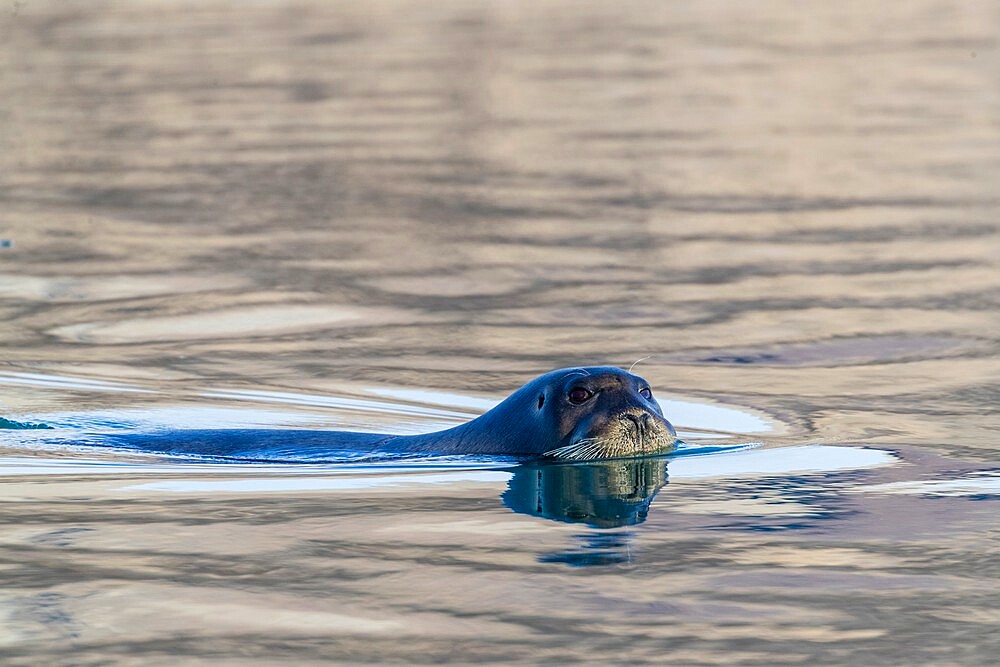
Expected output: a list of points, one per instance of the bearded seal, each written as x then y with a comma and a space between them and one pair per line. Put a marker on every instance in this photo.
575, 414
600, 412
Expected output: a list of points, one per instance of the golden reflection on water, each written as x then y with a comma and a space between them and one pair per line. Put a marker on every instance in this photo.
792, 207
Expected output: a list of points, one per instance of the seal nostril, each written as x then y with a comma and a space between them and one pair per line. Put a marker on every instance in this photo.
636, 421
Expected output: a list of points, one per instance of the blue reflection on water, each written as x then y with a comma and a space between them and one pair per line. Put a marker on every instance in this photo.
17, 426
595, 549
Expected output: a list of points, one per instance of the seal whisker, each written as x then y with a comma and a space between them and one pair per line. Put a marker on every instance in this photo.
565, 451
586, 449
637, 361
594, 450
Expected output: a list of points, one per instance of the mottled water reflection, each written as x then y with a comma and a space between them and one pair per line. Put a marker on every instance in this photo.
160, 561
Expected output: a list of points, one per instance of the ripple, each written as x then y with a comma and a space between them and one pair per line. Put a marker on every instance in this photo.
313, 484
839, 352
62, 382
228, 323
359, 405
780, 461
107, 287
483, 282
270, 478
985, 485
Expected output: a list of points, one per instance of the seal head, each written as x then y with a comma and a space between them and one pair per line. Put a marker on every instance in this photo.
579, 414
604, 413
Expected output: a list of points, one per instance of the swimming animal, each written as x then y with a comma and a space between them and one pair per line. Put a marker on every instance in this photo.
590, 413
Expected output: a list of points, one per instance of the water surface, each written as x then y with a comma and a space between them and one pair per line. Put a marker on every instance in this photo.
385, 216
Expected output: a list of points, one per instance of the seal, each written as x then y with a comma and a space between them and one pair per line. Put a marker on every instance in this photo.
572, 413
575, 414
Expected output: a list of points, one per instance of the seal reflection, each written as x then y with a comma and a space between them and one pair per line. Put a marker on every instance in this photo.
600, 494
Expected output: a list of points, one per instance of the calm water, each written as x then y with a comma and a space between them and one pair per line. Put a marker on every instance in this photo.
388, 215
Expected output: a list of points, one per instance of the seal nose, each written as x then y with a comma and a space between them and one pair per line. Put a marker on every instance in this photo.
641, 422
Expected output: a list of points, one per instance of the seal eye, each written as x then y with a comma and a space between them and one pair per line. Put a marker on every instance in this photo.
646, 393
578, 395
